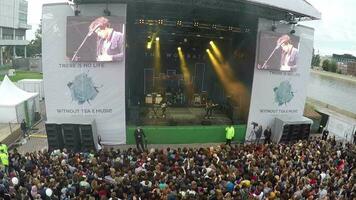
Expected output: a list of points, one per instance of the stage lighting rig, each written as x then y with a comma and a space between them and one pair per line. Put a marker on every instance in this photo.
76, 10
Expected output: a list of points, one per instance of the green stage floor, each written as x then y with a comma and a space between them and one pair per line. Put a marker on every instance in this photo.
185, 134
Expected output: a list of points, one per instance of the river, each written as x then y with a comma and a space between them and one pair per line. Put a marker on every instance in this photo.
331, 89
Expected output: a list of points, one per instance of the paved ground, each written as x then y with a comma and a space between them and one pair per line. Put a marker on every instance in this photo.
36, 143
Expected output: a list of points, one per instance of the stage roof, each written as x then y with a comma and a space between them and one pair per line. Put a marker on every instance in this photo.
270, 9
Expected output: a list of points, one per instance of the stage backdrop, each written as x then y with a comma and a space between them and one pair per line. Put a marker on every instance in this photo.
86, 87
279, 90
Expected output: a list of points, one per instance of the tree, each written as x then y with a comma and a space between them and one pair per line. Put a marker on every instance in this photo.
35, 46
316, 60
332, 66
325, 65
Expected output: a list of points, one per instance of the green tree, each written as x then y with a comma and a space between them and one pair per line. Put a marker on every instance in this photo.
325, 65
35, 46
332, 66
316, 60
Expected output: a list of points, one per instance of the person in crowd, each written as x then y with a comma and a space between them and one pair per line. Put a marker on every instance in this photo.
325, 134
310, 169
267, 133
4, 158
229, 133
139, 138
23, 127
110, 43
3, 147
258, 134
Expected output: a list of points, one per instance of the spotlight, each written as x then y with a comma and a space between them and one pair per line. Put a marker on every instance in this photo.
198, 35
211, 42
207, 50
179, 23
179, 48
157, 38
160, 21
141, 21
185, 40
76, 11
107, 12
196, 24
221, 37
149, 45
230, 28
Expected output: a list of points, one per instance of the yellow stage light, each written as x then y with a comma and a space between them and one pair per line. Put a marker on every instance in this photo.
211, 43
157, 38
149, 45
179, 49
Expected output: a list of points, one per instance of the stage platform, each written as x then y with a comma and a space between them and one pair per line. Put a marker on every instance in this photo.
9, 133
186, 134
183, 116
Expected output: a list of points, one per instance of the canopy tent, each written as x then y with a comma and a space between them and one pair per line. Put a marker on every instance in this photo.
16, 104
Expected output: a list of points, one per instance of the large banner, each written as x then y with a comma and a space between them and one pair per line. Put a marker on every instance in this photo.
281, 74
84, 67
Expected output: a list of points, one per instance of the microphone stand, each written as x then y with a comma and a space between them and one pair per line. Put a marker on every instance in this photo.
80, 46
274, 50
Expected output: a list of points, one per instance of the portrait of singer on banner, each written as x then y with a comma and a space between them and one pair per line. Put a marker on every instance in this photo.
278, 51
95, 39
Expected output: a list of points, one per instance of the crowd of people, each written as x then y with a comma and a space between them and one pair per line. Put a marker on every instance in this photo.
312, 169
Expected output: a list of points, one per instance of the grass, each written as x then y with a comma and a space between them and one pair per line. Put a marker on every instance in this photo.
23, 75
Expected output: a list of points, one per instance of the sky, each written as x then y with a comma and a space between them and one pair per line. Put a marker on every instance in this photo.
334, 33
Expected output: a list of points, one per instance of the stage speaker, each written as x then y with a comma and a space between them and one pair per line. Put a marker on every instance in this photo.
149, 99
158, 99
206, 122
196, 99
86, 137
71, 136
54, 136
295, 132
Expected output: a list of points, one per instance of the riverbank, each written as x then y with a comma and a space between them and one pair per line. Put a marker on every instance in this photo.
316, 105
334, 75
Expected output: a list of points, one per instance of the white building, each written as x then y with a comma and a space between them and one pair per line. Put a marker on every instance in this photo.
13, 25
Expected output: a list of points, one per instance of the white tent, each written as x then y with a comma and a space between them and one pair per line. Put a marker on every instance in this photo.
16, 104
32, 85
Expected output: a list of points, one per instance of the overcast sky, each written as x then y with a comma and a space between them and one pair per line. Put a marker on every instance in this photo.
335, 33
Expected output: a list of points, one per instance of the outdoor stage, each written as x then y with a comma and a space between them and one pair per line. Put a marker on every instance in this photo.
183, 116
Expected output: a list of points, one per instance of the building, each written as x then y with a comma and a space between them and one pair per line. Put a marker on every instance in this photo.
351, 68
341, 68
13, 25
345, 58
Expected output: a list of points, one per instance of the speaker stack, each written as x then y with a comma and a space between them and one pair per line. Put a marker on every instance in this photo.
74, 137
